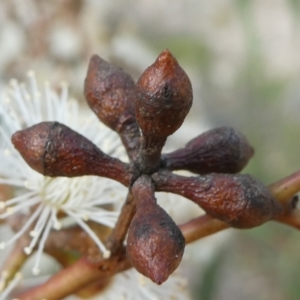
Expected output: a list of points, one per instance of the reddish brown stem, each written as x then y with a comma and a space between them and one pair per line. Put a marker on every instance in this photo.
148, 159
284, 189
113, 169
292, 219
130, 137
76, 277
115, 240
201, 227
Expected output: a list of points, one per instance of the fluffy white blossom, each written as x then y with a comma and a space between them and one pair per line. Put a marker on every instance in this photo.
39, 197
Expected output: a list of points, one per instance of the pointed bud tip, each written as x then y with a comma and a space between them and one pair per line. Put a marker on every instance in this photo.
17, 139
31, 143
96, 62
159, 276
166, 57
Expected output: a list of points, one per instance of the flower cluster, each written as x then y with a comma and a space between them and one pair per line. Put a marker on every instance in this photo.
70, 166
38, 199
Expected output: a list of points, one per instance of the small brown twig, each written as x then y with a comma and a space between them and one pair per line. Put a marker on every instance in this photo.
284, 189
115, 240
201, 227
76, 277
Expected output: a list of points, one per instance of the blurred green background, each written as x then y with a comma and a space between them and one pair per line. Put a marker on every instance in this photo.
243, 60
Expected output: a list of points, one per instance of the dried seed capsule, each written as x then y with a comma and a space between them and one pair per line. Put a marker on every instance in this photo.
220, 150
155, 244
110, 92
54, 149
164, 97
239, 200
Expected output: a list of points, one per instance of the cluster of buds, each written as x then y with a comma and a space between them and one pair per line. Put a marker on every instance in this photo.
144, 115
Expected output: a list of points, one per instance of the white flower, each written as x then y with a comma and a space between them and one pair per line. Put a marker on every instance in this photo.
81, 198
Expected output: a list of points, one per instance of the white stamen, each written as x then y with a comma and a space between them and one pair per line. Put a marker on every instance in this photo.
33, 233
24, 228
85, 217
48, 101
106, 254
108, 220
63, 103
36, 96
36, 271
46, 232
56, 224
39, 226
87, 229
14, 182
14, 209
20, 198
28, 250
4, 134
11, 285
21, 104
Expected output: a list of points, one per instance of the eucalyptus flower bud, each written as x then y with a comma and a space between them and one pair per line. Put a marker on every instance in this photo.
164, 97
219, 150
155, 244
54, 149
240, 200
110, 92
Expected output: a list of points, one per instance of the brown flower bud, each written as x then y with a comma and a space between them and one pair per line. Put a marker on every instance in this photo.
155, 244
54, 149
239, 200
220, 150
164, 97
110, 92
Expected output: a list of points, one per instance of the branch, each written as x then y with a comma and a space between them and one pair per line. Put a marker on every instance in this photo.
76, 277
283, 190
83, 272
201, 227
118, 234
